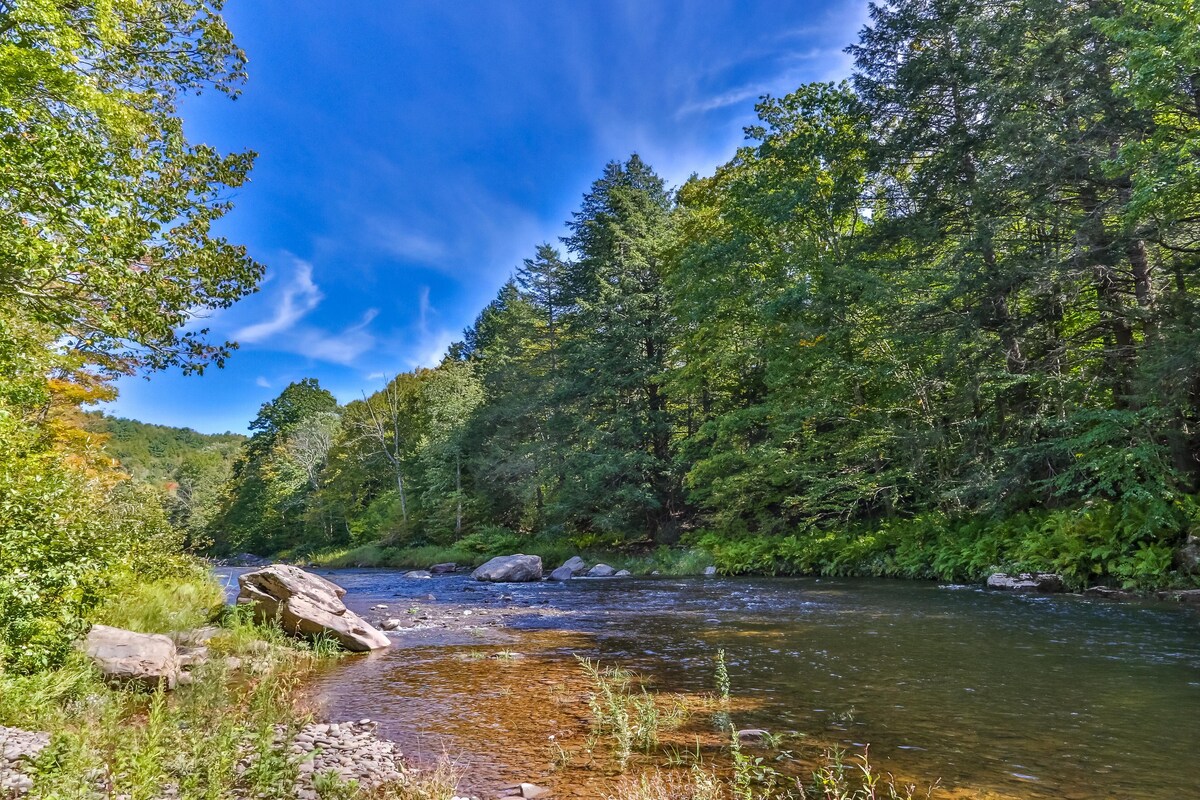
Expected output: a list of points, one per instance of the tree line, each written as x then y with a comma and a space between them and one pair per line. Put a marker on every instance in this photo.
936, 319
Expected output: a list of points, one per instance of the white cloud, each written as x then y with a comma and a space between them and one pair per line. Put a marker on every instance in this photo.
296, 300
343, 347
410, 245
263, 382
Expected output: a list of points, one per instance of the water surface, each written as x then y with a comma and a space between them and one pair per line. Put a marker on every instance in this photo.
996, 695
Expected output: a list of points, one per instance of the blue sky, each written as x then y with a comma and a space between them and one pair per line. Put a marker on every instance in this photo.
412, 153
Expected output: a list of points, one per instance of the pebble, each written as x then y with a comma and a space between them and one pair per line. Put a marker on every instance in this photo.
18, 749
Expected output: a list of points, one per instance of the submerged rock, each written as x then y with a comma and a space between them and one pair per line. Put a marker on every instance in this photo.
418, 574
563, 573
601, 571
517, 568
146, 660
576, 564
1045, 582
307, 605
1108, 593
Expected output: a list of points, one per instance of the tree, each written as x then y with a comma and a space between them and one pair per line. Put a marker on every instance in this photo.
106, 210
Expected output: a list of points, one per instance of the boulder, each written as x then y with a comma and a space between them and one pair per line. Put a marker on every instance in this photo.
444, 568
1187, 558
307, 605
575, 564
517, 568
145, 660
601, 571
623, 574
563, 573
710, 571
390, 624
418, 574
1045, 582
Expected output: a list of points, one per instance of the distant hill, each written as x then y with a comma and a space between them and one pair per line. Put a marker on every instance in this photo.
155, 453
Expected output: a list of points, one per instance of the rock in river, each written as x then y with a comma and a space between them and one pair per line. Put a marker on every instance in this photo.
307, 605
517, 568
444, 568
1046, 582
125, 657
418, 573
601, 571
576, 564
563, 573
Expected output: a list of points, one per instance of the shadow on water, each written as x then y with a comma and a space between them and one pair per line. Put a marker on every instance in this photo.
997, 695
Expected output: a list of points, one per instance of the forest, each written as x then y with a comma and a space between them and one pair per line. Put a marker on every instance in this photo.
937, 320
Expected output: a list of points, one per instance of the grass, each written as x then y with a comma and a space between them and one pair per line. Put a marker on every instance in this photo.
226, 734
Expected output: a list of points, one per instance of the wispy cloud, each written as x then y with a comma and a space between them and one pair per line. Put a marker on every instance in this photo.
262, 382
342, 347
408, 244
296, 300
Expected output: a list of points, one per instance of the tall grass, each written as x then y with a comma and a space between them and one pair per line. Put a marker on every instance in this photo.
164, 606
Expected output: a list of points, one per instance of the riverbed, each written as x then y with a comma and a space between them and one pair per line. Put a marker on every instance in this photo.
994, 695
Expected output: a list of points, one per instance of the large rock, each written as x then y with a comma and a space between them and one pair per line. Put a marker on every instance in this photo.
563, 573
1187, 558
146, 660
517, 568
444, 568
307, 605
576, 564
1046, 582
601, 571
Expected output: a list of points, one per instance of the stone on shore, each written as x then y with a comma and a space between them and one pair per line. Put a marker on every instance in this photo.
517, 568
576, 564
623, 574
710, 571
146, 660
307, 605
1044, 582
18, 749
601, 571
563, 573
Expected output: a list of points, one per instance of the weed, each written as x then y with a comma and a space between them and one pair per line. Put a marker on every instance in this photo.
721, 675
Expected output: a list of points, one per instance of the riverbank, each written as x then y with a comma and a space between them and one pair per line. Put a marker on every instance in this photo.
240, 725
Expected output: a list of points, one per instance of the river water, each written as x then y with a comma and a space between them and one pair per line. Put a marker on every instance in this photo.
995, 695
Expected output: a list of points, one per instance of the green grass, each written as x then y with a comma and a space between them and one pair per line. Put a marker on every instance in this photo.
164, 606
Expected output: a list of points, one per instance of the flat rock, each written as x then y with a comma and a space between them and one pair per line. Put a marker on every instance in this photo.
444, 568
307, 605
1045, 582
517, 568
1108, 593
146, 660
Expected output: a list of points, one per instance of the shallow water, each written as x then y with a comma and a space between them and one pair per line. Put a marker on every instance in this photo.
996, 695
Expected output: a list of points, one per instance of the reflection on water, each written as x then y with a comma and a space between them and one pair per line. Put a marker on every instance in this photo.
996, 695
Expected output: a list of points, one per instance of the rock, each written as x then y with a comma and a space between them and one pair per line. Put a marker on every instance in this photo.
418, 574
307, 605
510, 569
390, 624
576, 564
1045, 582
1108, 593
623, 574
1188, 596
752, 734
124, 657
444, 569
530, 790
1187, 558
194, 638
601, 571
189, 657
563, 573
246, 560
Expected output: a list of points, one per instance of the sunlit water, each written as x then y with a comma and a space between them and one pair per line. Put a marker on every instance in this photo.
994, 694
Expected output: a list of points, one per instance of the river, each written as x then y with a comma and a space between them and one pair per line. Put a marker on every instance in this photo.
995, 695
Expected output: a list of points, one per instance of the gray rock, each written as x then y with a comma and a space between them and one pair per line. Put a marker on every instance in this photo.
623, 574
752, 734
710, 571
576, 564
1187, 558
192, 656
194, 638
444, 568
601, 571
146, 660
563, 573
1045, 582
1108, 593
530, 791
418, 574
390, 624
517, 568
307, 605
1188, 596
